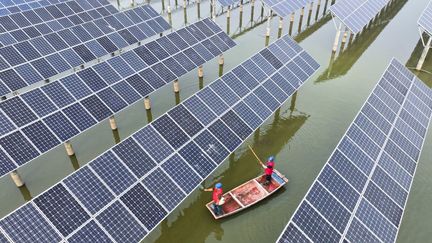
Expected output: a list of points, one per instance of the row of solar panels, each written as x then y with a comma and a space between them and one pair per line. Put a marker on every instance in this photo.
41, 119
127, 191
73, 11
425, 20
361, 192
14, 6
46, 27
281, 8
41, 58
358, 13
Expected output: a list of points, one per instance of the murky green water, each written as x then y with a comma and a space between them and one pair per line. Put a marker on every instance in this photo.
302, 135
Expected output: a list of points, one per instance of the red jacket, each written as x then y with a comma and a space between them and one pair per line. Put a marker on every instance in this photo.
217, 194
268, 171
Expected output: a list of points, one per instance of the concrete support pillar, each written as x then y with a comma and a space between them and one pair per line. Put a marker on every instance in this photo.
337, 37
301, 19
198, 2
280, 26
147, 104
113, 123
221, 64
318, 9
241, 15
423, 55
252, 11
267, 35
176, 86
200, 72
213, 11
16, 178
228, 16
325, 7
262, 11
292, 17
69, 148
344, 39
310, 13
169, 15
185, 12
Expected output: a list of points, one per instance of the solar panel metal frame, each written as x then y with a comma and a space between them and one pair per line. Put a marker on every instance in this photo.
137, 184
291, 225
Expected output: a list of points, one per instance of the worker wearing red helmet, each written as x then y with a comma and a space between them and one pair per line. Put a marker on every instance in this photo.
268, 171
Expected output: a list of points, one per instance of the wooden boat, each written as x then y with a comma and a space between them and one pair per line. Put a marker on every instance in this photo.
248, 194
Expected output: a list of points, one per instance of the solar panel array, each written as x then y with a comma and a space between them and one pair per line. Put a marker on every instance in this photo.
14, 6
356, 14
226, 3
41, 119
361, 193
29, 62
425, 20
53, 16
127, 191
286, 7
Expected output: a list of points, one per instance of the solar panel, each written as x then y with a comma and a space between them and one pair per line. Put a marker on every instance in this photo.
286, 7
425, 20
66, 107
35, 59
357, 14
226, 3
361, 193
153, 170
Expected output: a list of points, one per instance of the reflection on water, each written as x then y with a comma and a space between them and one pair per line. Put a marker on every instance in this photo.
340, 65
426, 74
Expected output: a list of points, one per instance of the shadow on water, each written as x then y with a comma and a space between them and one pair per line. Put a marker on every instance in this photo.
238, 169
312, 28
348, 57
426, 74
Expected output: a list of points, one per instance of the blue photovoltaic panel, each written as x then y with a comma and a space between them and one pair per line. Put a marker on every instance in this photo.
153, 170
286, 7
66, 214
73, 46
72, 100
361, 193
89, 190
91, 232
358, 13
120, 224
425, 20
28, 225
226, 3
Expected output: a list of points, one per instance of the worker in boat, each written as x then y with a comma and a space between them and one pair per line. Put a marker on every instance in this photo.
268, 171
217, 198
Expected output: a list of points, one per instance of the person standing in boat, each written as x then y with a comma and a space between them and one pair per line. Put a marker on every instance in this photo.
268, 171
217, 198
